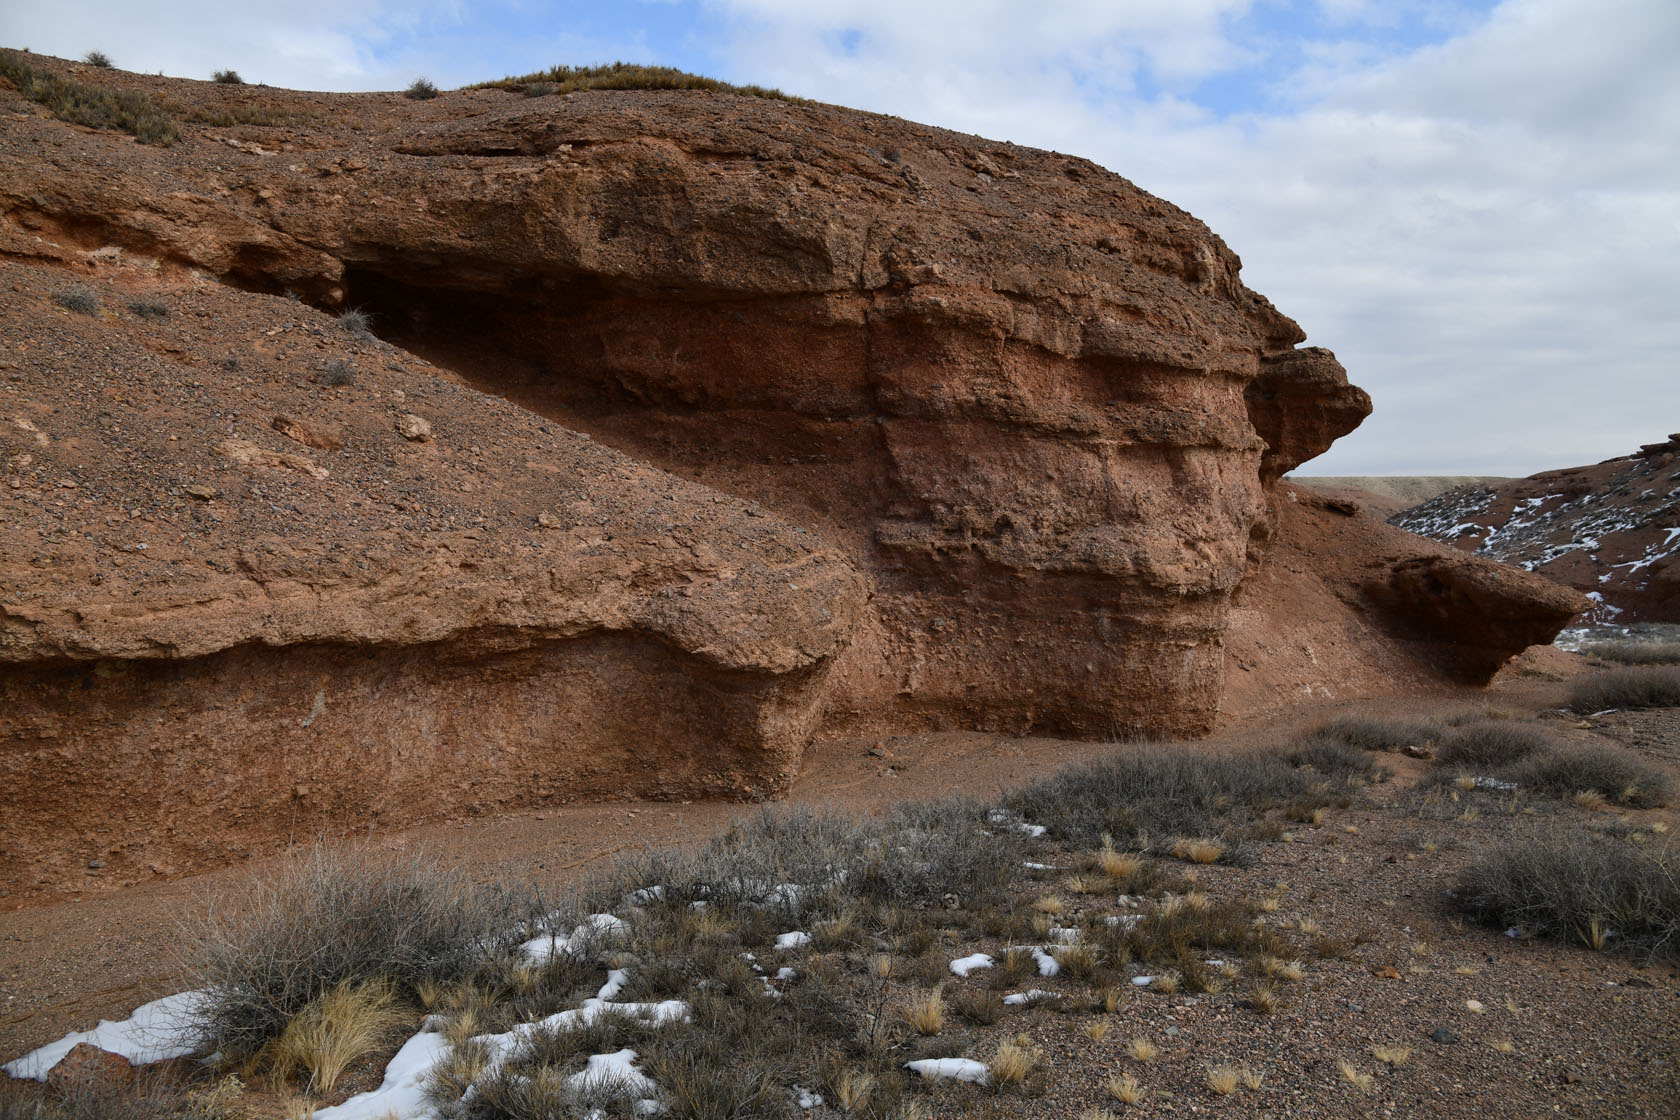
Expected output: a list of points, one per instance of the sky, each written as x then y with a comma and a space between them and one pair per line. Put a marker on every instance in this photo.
1476, 205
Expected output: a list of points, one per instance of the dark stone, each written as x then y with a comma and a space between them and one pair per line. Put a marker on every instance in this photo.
1444, 1036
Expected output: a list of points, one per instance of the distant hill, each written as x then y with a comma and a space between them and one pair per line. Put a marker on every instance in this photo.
1611, 530
1388, 494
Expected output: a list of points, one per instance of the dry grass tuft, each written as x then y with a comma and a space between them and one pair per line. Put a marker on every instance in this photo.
1223, 1080
1013, 1063
1392, 1055
346, 1022
1264, 997
1142, 1050
1121, 867
926, 1016
1097, 1030
1199, 851
979, 1006
1125, 1088
852, 1090
1364, 1082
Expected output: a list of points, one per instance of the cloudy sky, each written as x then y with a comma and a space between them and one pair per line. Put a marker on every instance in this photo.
1475, 204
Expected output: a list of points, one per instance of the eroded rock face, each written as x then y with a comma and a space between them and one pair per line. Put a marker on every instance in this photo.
1346, 605
1030, 401
957, 433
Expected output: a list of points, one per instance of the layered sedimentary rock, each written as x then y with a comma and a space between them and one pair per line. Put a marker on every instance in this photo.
968, 434
1035, 404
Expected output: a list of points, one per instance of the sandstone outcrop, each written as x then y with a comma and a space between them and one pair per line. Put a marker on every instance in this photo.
958, 434
1346, 605
1610, 530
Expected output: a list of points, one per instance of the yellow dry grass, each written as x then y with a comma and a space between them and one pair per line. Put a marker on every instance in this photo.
339, 1026
926, 1016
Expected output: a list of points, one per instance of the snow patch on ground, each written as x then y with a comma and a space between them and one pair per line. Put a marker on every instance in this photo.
962, 1069
402, 1093
162, 1029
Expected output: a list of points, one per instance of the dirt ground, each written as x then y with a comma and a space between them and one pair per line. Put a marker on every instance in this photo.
65, 965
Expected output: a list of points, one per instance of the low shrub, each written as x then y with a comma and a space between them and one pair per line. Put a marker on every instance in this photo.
1491, 744
1153, 794
1331, 757
357, 322
1640, 686
265, 116
79, 298
151, 1097
1620, 775
1633, 651
421, 90
149, 308
227, 78
1371, 733
329, 919
786, 863
1577, 887
338, 373
98, 59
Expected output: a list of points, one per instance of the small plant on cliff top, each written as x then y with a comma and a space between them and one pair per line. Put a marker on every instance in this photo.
421, 90
139, 114
626, 75
98, 59
227, 78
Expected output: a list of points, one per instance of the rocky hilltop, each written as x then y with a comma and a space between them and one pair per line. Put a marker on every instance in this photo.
1610, 530
689, 425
